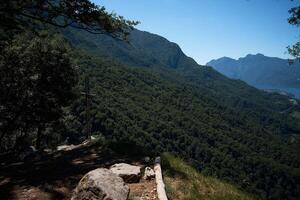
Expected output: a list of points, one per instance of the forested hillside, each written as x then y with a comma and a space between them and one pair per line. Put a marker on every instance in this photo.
224, 127
146, 97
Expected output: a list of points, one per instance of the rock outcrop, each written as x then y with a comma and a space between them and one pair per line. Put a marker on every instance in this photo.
149, 173
129, 173
161, 192
101, 184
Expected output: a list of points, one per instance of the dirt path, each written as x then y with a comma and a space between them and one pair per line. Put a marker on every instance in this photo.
144, 190
54, 176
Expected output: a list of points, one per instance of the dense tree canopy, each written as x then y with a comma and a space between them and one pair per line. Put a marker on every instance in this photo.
37, 77
37, 74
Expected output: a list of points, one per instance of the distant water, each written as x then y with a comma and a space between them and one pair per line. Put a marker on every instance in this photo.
294, 91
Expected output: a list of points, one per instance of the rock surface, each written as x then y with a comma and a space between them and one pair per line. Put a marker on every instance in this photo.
129, 173
149, 173
101, 184
161, 192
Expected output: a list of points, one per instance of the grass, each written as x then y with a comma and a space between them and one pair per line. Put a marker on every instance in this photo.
296, 114
183, 182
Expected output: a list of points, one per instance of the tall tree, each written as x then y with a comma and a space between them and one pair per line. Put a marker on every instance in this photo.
37, 77
37, 74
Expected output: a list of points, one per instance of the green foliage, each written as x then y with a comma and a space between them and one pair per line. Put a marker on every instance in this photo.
294, 19
184, 182
296, 114
223, 127
37, 80
37, 76
19, 15
294, 50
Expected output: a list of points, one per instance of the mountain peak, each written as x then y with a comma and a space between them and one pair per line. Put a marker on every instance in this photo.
258, 55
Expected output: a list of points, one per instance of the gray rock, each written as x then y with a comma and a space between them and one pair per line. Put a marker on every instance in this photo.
101, 184
149, 173
129, 173
147, 159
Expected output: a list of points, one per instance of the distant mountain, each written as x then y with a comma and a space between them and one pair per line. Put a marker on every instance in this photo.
262, 72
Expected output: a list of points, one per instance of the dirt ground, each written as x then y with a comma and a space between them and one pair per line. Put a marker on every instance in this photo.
144, 190
55, 175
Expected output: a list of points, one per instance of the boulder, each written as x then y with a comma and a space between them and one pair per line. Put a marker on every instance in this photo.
129, 173
101, 184
149, 173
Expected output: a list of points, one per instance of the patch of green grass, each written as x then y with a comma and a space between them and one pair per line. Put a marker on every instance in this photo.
296, 114
183, 182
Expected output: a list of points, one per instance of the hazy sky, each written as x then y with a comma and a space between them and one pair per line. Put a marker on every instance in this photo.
209, 29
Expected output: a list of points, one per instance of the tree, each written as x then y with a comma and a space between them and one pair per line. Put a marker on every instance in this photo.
37, 74
294, 19
19, 15
37, 77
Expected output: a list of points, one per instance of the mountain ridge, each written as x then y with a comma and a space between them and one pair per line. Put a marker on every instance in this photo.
260, 71
150, 97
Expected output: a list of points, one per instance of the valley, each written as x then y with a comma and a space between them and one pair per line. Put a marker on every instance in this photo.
86, 94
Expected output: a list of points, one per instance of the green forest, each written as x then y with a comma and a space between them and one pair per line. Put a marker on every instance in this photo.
146, 97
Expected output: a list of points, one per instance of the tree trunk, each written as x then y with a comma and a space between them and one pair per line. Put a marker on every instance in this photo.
39, 138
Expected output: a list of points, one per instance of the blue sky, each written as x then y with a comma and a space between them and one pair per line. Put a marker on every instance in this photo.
209, 29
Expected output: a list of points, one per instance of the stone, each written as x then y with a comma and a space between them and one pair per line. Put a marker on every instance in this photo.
28, 153
101, 184
72, 146
129, 173
65, 147
149, 173
93, 138
147, 159
160, 186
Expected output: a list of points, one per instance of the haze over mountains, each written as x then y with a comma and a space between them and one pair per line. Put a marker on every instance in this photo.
262, 72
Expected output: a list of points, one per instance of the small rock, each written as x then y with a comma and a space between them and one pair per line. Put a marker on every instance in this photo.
65, 147
149, 173
129, 173
93, 138
101, 184
147, 159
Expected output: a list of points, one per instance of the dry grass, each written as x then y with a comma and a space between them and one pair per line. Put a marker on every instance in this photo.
185, 183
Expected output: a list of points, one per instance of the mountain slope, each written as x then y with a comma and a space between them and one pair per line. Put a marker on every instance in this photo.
155, 100
260, 71
184, 182
142, 49
152, 51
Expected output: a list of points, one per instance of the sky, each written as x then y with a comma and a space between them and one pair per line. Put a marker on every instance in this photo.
210, 29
